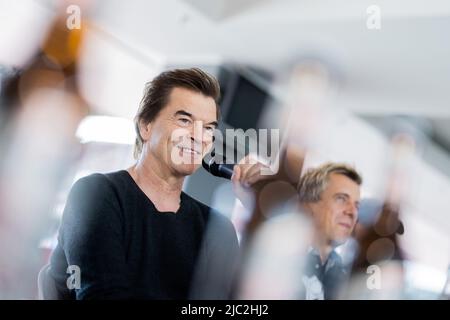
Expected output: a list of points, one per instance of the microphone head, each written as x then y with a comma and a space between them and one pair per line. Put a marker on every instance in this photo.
205, 162
218, 170
209, 165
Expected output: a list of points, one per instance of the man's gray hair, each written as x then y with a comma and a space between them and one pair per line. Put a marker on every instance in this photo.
315, 180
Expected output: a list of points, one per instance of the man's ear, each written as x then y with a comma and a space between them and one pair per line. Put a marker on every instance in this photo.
144, 130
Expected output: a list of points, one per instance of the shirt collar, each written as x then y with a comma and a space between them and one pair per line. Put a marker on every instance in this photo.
332, 260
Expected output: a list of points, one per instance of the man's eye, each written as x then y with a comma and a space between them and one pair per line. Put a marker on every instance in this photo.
184, 121
210, 129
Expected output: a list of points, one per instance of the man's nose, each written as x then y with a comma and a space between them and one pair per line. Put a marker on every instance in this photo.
352, 210
195, 139
197, 133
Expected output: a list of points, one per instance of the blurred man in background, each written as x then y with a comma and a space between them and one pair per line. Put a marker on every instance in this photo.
330, 194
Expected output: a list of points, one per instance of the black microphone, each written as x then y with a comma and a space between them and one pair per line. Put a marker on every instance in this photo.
222, 170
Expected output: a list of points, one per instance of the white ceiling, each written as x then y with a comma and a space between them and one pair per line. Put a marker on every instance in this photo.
403, 67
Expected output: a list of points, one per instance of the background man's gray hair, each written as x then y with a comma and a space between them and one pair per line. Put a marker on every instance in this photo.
315, 180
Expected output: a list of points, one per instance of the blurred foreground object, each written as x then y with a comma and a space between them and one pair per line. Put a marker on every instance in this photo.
43, 109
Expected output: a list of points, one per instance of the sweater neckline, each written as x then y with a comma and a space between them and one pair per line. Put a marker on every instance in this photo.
180, 210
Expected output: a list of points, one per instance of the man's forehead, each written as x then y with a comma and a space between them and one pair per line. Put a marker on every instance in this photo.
341, 183
196, 104
188, 96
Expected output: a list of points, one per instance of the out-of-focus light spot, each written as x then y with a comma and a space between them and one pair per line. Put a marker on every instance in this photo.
276, 258
106, 129
23, 25
422, 277
112, 75
367, 194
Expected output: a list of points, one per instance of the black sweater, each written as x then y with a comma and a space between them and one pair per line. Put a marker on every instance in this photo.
127, 249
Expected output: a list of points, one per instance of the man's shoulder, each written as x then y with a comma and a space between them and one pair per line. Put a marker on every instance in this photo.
100, 180
91, 199
98, 186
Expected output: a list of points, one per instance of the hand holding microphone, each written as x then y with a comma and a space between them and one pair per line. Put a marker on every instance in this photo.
248, 179
245, 176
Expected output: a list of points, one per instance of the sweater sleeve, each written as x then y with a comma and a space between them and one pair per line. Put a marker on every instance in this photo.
92, 238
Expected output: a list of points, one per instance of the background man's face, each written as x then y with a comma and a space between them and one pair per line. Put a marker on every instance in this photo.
336, 213
182, 132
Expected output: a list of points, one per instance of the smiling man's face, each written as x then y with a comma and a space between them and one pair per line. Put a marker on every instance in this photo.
336, 213
182, 132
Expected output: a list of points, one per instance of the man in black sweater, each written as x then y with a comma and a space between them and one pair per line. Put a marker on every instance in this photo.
134, 234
